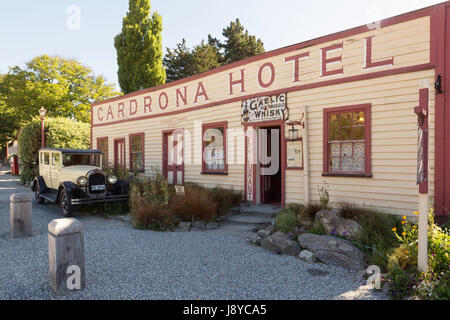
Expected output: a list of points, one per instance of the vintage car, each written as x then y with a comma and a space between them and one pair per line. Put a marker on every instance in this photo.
74, 177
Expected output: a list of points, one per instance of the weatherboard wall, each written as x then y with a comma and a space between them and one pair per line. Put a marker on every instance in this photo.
392, 90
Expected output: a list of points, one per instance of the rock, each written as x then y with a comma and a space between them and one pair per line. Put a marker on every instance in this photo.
264, 233
334, 251
184, 225
270, 228
212, 226
306, 224
280, 243
256, 241
335, 224
307, 256
199, 225
386, 288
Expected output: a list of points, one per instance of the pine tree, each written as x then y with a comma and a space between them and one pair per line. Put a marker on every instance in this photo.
179, 62
239, 44
139, 48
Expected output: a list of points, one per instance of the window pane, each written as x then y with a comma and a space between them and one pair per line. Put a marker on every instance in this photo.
346, 133
359, 118
346, 164
335, 164
214, 155
46, 158
335, 149
347, 150
358, 164
358, 133
346, 120
136, 144
56, 159
334, 133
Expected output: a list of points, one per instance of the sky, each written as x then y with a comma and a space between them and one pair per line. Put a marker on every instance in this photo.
29, 28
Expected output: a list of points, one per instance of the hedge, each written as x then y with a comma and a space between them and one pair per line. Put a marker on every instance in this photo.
59, 133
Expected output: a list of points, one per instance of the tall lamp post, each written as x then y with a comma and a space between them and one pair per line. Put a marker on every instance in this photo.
42, 113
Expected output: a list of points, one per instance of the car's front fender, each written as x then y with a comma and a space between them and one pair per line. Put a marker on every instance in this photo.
40, 182
72, 189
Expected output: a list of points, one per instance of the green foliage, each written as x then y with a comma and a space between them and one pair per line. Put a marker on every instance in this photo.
286, 221
403, 274
59, 133
149, 200
319, 230
239, 44
182, 62
139, 48
65, 87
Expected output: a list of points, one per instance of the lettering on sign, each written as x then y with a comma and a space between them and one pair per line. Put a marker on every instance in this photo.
265, 109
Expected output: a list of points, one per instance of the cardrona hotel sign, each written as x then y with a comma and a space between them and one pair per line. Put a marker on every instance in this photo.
260, 85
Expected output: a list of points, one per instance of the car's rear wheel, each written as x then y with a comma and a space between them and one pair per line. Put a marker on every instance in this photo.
66, 206
37, 195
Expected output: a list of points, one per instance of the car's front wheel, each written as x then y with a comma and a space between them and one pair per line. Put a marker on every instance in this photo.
66, 206
37, 195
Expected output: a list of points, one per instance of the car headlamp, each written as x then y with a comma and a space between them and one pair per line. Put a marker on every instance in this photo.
112, 179
82, 181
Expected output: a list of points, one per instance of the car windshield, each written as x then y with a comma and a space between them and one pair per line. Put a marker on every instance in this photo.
81, 159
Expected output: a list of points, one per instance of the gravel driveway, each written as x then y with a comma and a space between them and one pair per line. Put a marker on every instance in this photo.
123, 263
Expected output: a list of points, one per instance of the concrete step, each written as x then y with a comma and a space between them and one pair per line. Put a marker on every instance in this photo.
250, 219
257, 210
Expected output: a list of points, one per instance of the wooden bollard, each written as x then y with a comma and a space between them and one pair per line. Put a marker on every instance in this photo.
20, 215
66, 255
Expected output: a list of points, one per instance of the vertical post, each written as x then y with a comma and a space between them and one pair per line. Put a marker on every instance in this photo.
306, 173
422, 176
20, 215
66, 255
42, 133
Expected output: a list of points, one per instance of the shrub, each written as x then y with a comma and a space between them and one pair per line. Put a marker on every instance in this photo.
286, 220
309, 211
120, 171
150, 204
224, 199
196, 204
402, 263
59, 133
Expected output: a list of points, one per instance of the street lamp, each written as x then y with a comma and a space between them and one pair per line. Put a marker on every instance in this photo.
42, 113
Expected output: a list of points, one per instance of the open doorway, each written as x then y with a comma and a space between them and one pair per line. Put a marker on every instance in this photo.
270, 167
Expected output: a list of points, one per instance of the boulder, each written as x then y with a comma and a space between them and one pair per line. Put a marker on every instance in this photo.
335, 224
264, 233
307, 256
280, 243
334, 251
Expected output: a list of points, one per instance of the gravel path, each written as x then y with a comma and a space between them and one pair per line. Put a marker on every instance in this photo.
122, 263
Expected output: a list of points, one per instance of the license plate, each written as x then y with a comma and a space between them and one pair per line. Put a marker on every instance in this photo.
100, 187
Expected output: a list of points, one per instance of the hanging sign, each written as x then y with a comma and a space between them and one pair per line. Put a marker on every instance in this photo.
265, 109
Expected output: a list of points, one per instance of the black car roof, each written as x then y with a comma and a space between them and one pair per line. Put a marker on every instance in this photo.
73, 151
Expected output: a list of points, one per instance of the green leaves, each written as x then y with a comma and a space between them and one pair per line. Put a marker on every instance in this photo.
183, 62
139, 48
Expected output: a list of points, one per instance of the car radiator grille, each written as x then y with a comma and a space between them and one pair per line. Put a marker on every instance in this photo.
96, 179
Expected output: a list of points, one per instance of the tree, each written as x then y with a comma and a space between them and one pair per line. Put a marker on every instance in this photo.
65, 87
59, 133
139, 48
239, 44
183, 62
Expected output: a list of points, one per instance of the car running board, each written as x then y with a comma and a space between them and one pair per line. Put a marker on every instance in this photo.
51, 196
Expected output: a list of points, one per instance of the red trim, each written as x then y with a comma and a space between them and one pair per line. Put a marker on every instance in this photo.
273, 123
165, 133
424, 104
116, 156
369, 63
328, 38
106, 155
140, 134
368, 137
224, 125
440, 52
361, 77
285, 156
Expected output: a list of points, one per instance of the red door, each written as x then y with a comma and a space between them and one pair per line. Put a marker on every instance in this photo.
173, 157
119, 153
